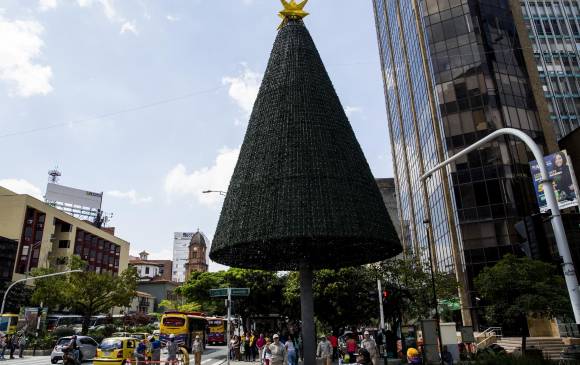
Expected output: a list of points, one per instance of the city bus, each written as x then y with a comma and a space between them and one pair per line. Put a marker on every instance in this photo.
217, 330
64, 320
8, 323
184, 326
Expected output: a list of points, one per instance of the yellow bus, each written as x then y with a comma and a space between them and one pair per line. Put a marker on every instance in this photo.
217, 330
8, 323
184, 326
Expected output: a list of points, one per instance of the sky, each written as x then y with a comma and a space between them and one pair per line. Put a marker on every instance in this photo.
148, 100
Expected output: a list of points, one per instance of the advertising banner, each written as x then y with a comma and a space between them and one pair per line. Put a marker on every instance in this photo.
72, 196
563, 180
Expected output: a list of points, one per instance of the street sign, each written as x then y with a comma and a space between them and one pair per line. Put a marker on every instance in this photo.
240, 292
223, 292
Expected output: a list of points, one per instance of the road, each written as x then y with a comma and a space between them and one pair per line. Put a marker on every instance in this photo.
213, 355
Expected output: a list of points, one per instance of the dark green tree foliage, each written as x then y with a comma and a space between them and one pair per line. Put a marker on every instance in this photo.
86, 293
265, 291
409, 282
517, 287
342, 298
19, 296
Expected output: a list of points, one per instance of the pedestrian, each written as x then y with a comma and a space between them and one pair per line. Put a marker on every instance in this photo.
140, 352
371, 346
197, 349
237, 344
2, 345
231, 352
21, 344
324, 351
447, 356
253, 347
13, 343
413, 356
266, 353
277, 352
351, 348
260, 343
334, 343
246, 348
363, 357
172, 348
291, 349
155, 346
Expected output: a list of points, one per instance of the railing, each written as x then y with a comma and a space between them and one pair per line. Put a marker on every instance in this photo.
487, 337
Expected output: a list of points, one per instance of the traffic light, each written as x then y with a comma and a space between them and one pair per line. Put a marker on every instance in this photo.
386, 295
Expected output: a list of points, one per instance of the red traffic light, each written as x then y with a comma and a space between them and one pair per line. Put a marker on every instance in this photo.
386, 294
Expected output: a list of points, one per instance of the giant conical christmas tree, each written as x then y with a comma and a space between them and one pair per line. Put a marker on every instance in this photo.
302, 195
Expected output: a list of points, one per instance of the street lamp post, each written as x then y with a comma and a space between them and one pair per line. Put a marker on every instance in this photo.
220, 192
434, 289
32, 278
556, 218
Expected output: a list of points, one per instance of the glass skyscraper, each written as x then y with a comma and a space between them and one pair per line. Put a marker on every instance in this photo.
454, 72
554, 32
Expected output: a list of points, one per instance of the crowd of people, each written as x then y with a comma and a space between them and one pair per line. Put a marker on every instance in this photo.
11, 343
268, 350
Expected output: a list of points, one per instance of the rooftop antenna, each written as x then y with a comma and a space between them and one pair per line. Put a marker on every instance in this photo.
53, 175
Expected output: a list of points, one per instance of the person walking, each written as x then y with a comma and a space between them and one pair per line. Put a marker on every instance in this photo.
260, 343
278, 352
324, 351
334, 343
13, 343
351, 348
266, 353
371, 346
155, 346
246, 344
2, 345
140, 352
253, 347
291, 349
21, 344
197, 349
172, 349
237, 344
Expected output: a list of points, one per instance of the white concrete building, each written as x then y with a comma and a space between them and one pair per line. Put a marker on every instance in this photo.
181, 242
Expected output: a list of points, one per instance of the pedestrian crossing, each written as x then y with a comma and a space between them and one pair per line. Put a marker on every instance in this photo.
45, 360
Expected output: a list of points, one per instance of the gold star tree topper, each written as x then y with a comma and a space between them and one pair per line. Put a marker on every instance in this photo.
291, 10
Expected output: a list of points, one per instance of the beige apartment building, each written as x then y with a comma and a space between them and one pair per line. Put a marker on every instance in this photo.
47, 236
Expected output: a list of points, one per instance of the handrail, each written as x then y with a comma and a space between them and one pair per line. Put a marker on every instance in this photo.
489, 333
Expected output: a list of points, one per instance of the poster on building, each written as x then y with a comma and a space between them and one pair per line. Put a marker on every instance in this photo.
563, 180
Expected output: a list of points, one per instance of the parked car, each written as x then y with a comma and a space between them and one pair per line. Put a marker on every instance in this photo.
115, 350
86, 345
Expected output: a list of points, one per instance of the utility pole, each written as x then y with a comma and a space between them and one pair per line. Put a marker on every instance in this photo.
381, 313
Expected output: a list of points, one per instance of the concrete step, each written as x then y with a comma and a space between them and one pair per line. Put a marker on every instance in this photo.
550, 346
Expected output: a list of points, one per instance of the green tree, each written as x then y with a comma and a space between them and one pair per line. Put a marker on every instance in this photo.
343, 297
265, 291
518, 287
86, 293
19, 296
171, 305
411, 283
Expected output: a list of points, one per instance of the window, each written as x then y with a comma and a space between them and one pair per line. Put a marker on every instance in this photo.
63, 244
146, 271
65, 227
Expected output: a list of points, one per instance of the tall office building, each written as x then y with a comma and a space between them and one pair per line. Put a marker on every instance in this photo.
554, 35
181, 242
453, 72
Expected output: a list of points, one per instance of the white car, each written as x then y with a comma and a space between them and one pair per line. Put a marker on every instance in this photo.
86, 344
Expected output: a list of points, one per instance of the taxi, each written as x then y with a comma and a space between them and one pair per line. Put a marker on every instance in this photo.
140, 335
115, 350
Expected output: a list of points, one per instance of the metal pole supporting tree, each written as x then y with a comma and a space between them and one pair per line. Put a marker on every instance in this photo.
307, 314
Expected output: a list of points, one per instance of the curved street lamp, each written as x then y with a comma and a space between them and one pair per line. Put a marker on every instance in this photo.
32, 278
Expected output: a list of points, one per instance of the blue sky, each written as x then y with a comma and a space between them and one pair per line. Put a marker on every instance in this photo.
148, 101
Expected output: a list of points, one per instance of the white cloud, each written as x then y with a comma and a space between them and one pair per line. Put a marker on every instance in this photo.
44, 5
244, 88
350, 110
129, 27
21, 186
20, 45
107, 5
130, 195
180, 183
172, 18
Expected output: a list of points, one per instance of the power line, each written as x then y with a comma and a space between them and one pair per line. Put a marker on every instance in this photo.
110, 114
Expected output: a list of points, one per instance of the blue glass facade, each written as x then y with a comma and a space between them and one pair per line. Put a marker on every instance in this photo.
554, 31
463, 58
